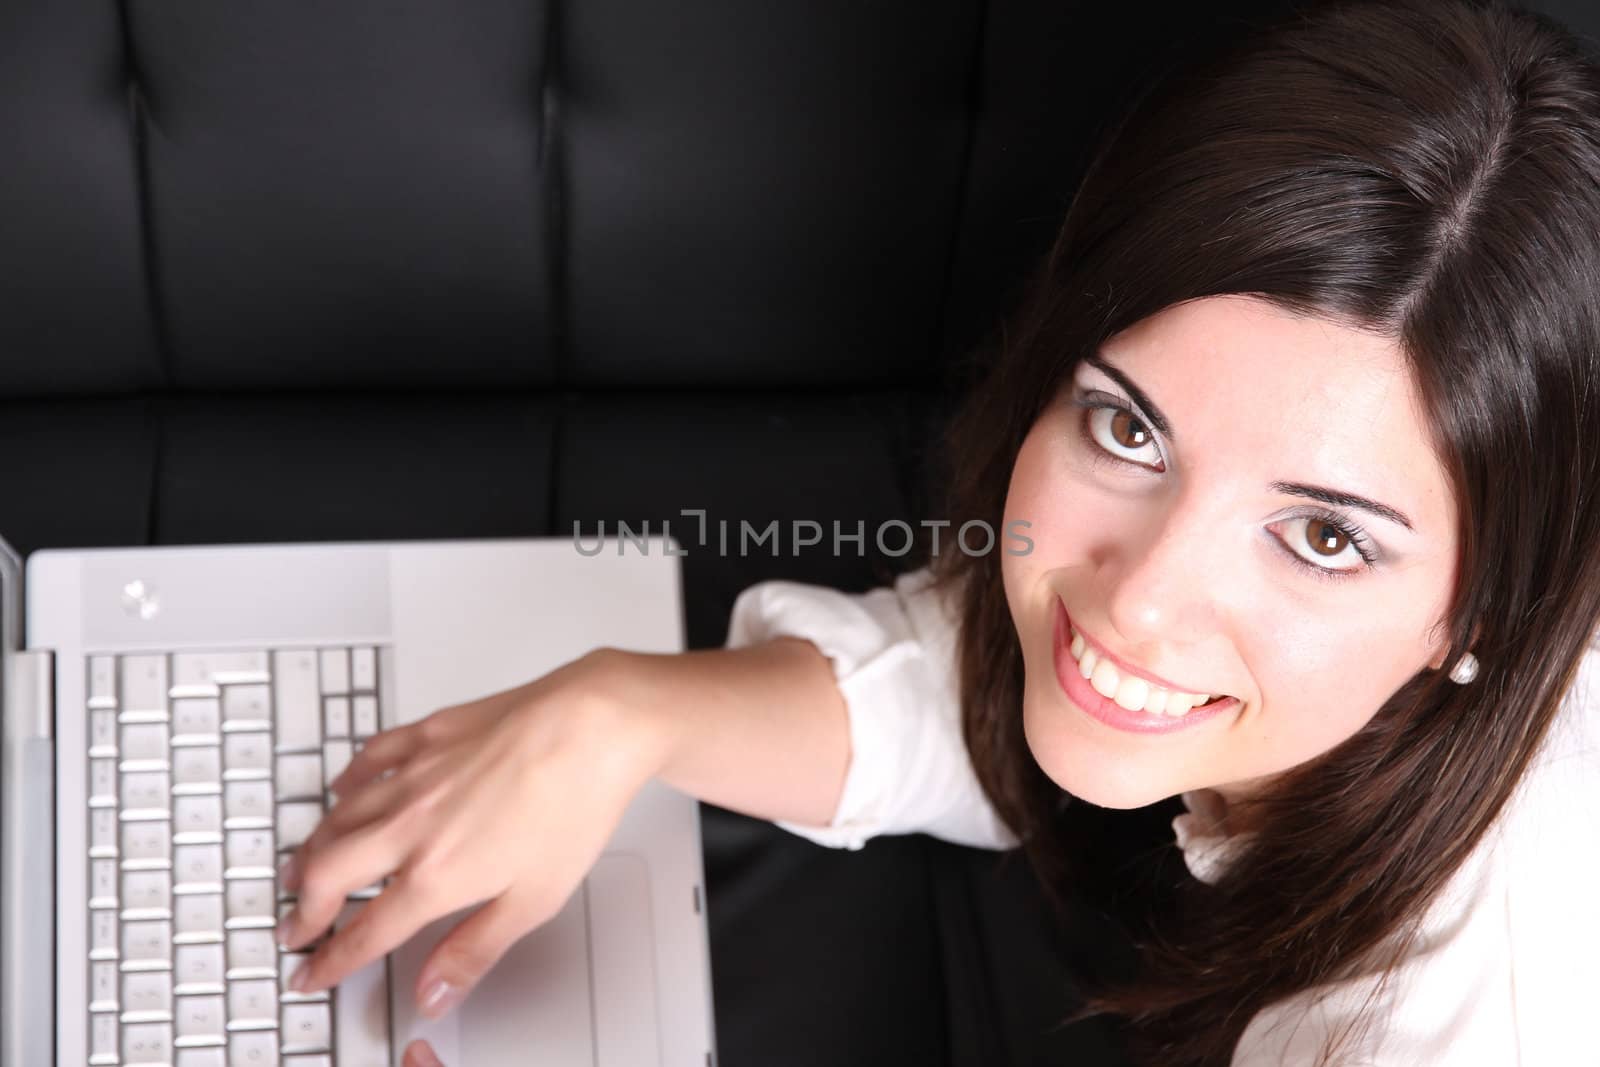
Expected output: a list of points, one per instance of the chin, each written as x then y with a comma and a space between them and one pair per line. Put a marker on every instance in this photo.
1083, 769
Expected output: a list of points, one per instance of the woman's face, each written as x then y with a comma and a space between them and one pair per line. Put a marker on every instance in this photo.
1238, 503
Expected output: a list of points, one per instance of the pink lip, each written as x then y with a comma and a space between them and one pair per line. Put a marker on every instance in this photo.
1108, 711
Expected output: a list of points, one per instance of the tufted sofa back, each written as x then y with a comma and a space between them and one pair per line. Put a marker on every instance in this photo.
514, 194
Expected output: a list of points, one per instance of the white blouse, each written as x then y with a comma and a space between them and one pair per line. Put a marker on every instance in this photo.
1506, 972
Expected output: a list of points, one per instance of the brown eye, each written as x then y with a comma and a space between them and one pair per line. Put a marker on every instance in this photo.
1122, 435
1128, 431
1325, 538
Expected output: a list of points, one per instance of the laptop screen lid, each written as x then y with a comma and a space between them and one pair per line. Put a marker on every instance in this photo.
27, 899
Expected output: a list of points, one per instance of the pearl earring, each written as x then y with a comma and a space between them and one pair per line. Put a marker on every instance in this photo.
1465, 670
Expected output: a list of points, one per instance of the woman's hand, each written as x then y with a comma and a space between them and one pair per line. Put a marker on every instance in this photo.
504, 802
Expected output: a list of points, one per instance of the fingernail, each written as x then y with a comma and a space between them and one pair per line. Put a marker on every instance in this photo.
439, 997
301, 978
424, 1056
286, 930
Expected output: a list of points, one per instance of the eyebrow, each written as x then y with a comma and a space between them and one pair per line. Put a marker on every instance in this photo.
1140, 400
1343, 500
1331, 497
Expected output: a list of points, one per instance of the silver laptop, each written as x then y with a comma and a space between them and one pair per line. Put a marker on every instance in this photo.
170, 727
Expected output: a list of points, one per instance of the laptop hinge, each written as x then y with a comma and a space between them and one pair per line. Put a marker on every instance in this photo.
30, 689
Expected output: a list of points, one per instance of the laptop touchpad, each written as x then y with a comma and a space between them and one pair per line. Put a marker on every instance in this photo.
534, 1006
580, 989
622, 946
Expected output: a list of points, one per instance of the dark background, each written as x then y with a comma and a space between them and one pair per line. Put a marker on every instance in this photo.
488, 268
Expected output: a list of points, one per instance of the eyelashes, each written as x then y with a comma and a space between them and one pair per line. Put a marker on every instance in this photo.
1092, 403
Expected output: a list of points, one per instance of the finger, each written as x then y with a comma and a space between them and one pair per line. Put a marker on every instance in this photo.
381, 752
345, 865
461, 959
361, 809
420, 1054
377, 929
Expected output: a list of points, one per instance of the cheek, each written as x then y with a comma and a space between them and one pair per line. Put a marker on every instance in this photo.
1043, 496
1321, 681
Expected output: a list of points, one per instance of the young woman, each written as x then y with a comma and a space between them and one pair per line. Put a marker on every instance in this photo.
1303, 416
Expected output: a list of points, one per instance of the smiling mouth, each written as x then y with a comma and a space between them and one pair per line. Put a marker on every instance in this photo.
1129, 691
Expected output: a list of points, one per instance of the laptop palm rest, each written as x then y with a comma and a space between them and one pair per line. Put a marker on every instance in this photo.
578, 991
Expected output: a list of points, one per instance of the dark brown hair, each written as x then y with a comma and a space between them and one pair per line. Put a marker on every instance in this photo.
1429, 171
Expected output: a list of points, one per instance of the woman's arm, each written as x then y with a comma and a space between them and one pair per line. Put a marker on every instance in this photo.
761, 730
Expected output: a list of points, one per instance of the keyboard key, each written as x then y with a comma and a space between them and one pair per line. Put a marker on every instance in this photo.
288, 963
198, 915
251, 850
306, 1027
201, 765
102, 733
299, 700
146, 792
246, 707
254, 1001
203, 1057
103, 832
146, 941
102, 883
364, 716
252, 951
147, 1043
147, 991
103, 935
248, 752
251, 898
102, 682
199, 669
335, 758
197, 815
103, 986
300, 776
337, 711
144, 683
144, 741
199, 967
197, 868
335, 670
296, 821
103, 1038
147, 891
103, 781
201, 1016
247, 800
146, 840
198, 720
363, 670
253, 1048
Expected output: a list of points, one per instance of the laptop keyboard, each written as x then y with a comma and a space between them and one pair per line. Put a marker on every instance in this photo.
205, 770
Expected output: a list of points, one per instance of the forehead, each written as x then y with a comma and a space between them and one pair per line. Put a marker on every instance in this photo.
1287, 397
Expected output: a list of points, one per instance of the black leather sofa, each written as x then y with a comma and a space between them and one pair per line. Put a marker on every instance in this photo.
491, 268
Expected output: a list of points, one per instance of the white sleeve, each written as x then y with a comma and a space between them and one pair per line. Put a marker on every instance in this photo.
893, 652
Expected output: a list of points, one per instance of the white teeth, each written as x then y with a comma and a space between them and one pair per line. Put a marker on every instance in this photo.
1130, 692
1105, 679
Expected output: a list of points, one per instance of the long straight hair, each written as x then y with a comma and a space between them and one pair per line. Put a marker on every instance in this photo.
1430, 172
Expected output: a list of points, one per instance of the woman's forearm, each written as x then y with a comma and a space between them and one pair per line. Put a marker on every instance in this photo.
761, 730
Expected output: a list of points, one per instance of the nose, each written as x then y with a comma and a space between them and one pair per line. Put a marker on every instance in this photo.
1165, 576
